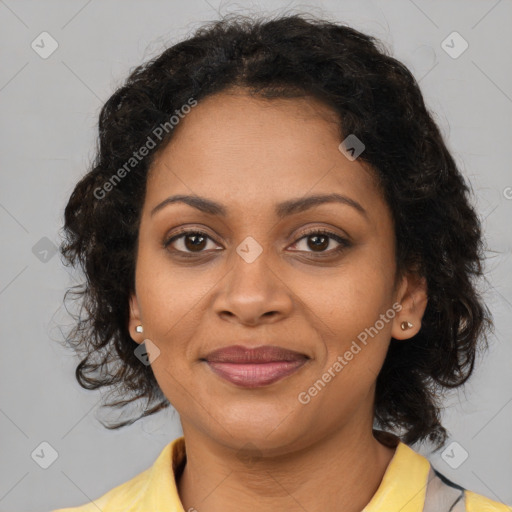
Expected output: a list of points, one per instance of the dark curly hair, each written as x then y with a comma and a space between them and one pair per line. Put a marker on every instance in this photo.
438, 233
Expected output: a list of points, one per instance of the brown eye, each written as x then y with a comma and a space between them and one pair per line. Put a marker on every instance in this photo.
190, 241
318, 241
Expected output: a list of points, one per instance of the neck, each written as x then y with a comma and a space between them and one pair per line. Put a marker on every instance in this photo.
341, 471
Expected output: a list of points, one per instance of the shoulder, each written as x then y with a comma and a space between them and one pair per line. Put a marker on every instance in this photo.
153, 489
478, 503
123, 496
410, 471
443, 494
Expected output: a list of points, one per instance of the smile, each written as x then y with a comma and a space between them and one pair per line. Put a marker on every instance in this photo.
252, 375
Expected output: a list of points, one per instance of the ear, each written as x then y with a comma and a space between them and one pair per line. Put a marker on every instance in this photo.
135, 320
413, 297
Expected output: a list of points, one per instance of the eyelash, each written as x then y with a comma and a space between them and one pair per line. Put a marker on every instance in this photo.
344, 243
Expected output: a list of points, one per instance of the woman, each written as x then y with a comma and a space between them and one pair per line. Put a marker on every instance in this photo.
278, 243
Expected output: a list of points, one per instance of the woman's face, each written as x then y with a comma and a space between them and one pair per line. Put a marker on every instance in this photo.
261, 276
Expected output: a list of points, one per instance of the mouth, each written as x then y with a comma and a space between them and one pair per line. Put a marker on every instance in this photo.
255, 367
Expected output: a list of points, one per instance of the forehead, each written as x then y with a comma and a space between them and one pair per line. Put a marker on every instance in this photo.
246, 150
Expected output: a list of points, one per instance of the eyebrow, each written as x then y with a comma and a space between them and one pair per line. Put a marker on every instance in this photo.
284, 209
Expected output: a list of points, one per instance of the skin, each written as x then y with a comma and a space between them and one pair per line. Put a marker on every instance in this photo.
250, 154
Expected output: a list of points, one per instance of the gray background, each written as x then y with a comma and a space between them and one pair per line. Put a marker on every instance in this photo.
48, 129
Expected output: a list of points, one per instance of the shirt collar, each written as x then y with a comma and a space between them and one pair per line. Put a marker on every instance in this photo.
162, 492
403, 486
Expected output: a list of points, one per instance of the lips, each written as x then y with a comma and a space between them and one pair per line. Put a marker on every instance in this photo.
265, 354
254, 367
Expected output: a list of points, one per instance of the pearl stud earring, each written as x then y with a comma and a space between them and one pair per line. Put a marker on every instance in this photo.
139, 328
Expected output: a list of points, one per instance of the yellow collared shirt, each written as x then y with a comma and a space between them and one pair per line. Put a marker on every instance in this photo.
410, 484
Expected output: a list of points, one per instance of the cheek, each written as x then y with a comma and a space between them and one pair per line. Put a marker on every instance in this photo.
171, 308
167, 293
350, 306
351, 297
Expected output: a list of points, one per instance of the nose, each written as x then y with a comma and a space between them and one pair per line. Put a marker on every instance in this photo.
252, 292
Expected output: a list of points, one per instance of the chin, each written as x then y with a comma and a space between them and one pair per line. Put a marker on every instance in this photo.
273, 433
